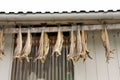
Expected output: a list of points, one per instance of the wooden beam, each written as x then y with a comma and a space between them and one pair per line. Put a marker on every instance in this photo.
38, 22
64, 29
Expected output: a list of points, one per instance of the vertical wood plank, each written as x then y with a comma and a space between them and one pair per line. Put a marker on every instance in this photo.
91, 73
102, 70
63, 64
117, 43
6, 63
79, 71
113, 66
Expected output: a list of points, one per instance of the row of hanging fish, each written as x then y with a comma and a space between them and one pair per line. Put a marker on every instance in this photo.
23, 53
43, 46
78, 46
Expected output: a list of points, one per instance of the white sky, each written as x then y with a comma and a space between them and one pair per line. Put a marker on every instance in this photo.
57, 5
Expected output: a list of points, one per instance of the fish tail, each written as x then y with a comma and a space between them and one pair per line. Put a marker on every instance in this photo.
20, 60
73, 61
76, 58
89, 56
15, 57
1, 58
27, 58
68, 57
107, 59
58, 53
84, 59
112, 51
55, 53
2, 52
23, 55
42, 60
35, 59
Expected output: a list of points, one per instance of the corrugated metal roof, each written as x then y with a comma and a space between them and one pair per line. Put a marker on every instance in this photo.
48, 12
82, 16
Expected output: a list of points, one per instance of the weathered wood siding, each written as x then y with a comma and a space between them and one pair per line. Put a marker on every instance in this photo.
6, 63
98, 69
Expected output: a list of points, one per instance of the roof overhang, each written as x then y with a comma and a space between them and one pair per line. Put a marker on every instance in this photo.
57, 18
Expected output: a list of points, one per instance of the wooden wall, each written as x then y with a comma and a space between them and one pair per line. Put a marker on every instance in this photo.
98, 69
6, 63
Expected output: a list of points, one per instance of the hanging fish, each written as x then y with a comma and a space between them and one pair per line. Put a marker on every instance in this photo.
85, 51
40, 49
58, 45
1, 44
46, 44
78, 45
18, 48
106, 44
70, 56
43, 47
27, 48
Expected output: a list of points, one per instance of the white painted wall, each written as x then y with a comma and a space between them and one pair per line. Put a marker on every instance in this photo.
98, 69
6, 63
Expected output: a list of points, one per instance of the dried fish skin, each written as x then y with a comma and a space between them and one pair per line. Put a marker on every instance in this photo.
27, 48
106, 44
70, 56
58, 45
18, 48
78, 45
43, 48
85, 51
40, 49
46, 44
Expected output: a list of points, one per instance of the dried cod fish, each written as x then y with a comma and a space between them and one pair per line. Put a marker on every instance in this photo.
1, 44
43, 47
27, 48
85, 51
58, 45
106, 44
18, 49
70, 56
46, 44
78, 45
